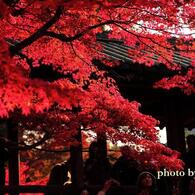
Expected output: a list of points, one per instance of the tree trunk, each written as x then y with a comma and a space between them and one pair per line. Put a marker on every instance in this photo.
13, 163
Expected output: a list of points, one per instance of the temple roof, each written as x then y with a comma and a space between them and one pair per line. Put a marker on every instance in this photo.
118, 51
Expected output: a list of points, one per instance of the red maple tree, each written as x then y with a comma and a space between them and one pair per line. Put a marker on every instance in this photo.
47, 76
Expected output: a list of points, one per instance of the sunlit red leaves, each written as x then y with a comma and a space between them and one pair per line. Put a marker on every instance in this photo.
153, 155
185, 82
24, 178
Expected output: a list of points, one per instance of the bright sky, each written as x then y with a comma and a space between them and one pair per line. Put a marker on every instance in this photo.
162, 135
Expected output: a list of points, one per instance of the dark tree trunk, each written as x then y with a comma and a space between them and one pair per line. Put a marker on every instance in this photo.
13, 163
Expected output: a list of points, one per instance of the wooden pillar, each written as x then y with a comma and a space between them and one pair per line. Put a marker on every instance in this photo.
2, 168
4, 157
175, 126
76, 160
3, 152
13, 163
102, 144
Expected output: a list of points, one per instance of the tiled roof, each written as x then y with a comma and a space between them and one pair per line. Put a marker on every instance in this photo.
117, 50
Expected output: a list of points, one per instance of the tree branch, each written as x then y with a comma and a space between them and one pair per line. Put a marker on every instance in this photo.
65, 38
34, 145
39, 33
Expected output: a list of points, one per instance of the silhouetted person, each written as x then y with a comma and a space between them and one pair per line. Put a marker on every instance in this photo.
146, 184
58, 177
189, 160
97, 168
125, 169
85, 190
191, 188
111, 187
174, 184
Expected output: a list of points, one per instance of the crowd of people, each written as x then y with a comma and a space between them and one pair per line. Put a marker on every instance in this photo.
115, 179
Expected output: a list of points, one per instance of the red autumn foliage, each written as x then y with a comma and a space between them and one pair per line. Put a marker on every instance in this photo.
24, 180
46, 56
23, 177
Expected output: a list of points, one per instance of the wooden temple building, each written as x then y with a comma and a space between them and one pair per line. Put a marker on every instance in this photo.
174, 109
